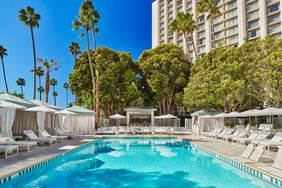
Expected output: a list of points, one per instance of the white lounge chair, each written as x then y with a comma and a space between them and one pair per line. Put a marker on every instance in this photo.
251, 154
179, 131
275, 141
276, 168
161, 130
214, 132
220, 133
44, 134
261, 135
243, 134
229, 136
106, 130
32, 136
124, 130
228, 132
62, 132
23, 145
9, 150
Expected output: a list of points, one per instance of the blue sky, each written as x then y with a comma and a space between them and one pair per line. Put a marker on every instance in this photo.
125, 25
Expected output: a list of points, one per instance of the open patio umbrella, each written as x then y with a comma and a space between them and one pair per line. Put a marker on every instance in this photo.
118, 117
167, 116
41, 112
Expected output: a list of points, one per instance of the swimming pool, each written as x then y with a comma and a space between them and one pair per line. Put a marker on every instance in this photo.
137, 162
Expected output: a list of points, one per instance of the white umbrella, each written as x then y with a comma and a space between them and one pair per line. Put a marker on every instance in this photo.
117, 116
248, 113
221, 115
43, 110
167, 116
268, 112
232, 114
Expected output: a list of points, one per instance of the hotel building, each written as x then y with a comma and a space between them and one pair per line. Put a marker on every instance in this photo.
240, 19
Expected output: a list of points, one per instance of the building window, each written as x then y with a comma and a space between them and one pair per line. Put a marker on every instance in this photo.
271, 1
231, 22
217, 35
232, 30
231, 4
252, 24
201, 18
201, 26
201, 34
253, 33
273, 18
201, 41
232, 39
252, 15
252, 6
273, 28
218, 27
272, 8
231, 13
202, 49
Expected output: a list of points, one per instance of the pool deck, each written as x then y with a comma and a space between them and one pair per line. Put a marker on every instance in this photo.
24, 160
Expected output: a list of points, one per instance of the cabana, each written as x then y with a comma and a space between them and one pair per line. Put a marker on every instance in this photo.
141, 111
83, 122
64, 116
204, 124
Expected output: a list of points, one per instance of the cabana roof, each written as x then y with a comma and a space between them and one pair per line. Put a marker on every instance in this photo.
80, 110
232, 114
41, 108
139, 108
16, 100
40, 103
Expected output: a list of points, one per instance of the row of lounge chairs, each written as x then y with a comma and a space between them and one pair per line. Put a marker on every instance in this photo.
9, 147
257, 142
143, 130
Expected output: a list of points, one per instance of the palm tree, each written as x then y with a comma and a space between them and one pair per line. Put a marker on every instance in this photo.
21, 83
53, 83
85, 22
74, 49
39, 72
31, 19
211, 7
3, 52
185, 24
49, 67
67, 86
40, 90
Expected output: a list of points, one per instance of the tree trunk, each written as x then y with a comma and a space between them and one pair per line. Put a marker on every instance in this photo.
94, 39
47, 85
97, 101
34, 63
22, 90
91, 69
193, 44
212, 32
67, 97
4, 74
187, 45
40, 93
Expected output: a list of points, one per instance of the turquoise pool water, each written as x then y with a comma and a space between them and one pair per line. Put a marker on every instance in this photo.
137, 162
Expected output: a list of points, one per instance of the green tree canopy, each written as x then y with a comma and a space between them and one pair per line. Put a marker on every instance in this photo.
166, 70
118, 81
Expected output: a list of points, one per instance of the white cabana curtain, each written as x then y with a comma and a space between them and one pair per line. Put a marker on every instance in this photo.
7, 116
82, 124
41, 119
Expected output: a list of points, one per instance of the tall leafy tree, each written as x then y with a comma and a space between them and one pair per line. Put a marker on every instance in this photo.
31, 19
185, 24
74, 49
21, 83
53, 83
118, 81
3, 53
211, 7
166, 69
40, 72
67, 86
48, 67
84, 21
